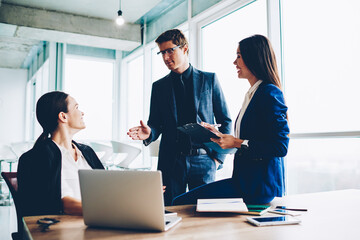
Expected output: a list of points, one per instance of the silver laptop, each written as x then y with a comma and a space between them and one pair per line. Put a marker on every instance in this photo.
124, 199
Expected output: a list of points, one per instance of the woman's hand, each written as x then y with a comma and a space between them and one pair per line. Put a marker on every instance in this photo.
211, 128
227, 141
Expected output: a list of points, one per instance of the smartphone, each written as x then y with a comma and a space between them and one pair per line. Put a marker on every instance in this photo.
270, 221
284, 212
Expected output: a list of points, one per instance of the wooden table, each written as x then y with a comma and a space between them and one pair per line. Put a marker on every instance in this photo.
331, 215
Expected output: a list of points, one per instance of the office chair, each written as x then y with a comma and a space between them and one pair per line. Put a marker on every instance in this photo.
104, 152
11, 181
154, 153
21, 147
18, 148
7, 155
130, 151
154, 148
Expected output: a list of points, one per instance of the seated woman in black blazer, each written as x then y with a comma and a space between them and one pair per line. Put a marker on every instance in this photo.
48, 173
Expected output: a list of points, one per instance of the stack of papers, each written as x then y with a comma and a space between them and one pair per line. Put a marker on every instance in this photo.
234, 205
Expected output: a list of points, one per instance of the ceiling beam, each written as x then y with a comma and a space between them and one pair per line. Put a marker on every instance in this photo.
45, 25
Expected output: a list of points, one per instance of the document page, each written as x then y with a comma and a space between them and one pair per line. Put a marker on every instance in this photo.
235, 205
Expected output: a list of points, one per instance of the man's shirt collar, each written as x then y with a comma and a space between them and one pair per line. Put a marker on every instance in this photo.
186, 74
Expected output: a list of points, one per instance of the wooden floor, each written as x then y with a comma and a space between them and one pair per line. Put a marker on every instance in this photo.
7, 222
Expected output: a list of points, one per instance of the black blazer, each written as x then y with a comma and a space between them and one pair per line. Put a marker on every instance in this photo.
39, 177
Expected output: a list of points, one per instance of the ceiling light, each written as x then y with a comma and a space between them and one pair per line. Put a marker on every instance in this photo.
119, 19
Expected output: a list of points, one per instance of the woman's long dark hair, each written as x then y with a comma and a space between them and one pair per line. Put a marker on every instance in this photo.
259, 57
48, 108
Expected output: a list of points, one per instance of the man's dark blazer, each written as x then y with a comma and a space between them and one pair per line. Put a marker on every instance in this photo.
39, 177
259, 169
210, 105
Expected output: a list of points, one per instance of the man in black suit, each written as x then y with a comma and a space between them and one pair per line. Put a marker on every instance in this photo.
185, 95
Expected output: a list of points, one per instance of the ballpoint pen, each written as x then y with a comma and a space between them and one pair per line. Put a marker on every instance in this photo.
214, 125
291, 209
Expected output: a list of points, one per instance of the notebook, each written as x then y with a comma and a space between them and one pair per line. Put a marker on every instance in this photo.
124, 199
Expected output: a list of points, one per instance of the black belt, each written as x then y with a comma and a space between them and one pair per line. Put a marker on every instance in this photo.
194, 152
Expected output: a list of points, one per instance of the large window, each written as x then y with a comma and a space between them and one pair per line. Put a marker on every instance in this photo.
158, 67
321, 64
135, 93
35, 88
90, 81
321, 49
219, 43
134, 107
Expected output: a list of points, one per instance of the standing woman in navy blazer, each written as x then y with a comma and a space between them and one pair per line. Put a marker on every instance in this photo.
261, 132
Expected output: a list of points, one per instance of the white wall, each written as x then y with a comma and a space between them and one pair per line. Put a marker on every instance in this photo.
12, 105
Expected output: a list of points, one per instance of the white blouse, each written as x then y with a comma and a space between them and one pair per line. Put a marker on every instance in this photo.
248, 97
70, 185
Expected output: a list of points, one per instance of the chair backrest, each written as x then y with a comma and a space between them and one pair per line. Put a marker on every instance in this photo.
6, 153
11, 181
21, 147
131, 153
154, 148
154, 154
103, 151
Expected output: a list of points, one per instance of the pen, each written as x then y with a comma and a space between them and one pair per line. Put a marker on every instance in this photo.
220, 202
291, 209
214, 125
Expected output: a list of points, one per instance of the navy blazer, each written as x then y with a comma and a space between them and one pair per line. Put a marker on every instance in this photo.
259, 168
39, 177
209, 103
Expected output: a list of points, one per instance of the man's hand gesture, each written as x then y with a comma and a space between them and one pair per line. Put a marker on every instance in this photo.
141, 132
